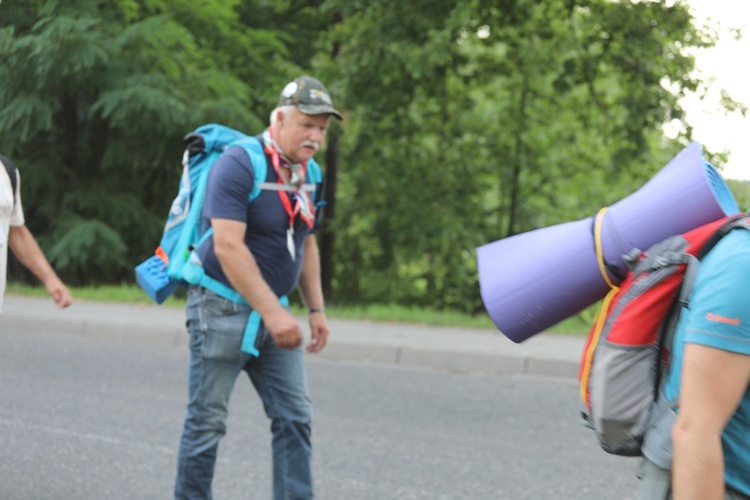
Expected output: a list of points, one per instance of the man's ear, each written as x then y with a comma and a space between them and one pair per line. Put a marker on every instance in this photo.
280, 117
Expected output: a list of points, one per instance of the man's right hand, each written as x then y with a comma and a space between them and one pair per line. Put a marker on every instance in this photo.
284, 328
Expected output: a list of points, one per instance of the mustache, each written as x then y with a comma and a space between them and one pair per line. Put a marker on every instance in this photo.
313, 144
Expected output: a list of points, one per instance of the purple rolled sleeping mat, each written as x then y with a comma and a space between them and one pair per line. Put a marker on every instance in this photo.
536, 279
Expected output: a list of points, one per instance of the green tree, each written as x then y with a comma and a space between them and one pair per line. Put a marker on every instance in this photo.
94, 101
467, 121
741, 192
478, 120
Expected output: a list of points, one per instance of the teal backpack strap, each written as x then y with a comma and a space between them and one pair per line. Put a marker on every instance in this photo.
194, 273
314, 175
252, 328
175, 267
254, 150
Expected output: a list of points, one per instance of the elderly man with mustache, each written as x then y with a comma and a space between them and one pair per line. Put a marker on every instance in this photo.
261, 249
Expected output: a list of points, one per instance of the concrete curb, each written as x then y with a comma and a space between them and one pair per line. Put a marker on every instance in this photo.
440, 348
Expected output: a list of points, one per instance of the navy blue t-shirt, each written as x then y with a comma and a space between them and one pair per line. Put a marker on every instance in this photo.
230, 182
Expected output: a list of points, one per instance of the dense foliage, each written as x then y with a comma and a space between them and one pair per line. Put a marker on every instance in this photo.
467, 121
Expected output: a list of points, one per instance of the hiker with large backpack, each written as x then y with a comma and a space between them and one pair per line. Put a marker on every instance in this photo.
684, 302
257, 245
15, 235
709, 378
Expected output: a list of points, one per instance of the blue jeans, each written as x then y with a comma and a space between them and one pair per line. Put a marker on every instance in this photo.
216, 326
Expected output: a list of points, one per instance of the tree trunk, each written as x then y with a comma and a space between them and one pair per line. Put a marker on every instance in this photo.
328, 236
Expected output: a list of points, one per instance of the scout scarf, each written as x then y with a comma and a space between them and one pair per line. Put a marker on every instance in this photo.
297, 201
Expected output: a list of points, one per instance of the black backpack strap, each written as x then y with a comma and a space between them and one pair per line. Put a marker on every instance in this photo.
11, 169
735, 222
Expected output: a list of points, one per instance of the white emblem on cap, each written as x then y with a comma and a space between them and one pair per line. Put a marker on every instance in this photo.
290, 89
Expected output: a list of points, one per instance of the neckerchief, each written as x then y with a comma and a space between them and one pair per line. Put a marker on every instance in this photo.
302, 203
273, 149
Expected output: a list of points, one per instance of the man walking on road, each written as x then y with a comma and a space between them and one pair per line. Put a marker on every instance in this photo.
262, 250
15, 234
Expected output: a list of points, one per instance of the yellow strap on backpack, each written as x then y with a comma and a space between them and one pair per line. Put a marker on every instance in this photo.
602, 313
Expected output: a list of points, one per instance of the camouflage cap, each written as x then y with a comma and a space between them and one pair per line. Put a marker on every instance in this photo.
309, 96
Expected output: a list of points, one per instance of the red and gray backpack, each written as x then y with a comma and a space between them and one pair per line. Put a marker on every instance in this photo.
629, 348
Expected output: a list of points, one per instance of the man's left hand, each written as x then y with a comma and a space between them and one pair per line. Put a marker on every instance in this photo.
60, 293
319, 331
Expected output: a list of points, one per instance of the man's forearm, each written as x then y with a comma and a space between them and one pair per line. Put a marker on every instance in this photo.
239, 265
28, 253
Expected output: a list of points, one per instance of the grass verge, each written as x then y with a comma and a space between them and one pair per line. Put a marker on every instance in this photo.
578, 324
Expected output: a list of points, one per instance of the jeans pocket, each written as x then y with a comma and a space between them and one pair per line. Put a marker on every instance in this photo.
224, 328
222, 344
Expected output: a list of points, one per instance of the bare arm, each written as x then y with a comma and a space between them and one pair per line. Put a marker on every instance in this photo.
28, 253
239, 265
312, 295
713, 383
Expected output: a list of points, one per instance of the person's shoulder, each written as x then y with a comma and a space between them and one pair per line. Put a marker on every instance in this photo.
735, 246
238, 154
234, 162
719, 312
233, 170
728, 262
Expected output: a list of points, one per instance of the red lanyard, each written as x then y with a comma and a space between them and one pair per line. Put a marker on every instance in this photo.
292, 212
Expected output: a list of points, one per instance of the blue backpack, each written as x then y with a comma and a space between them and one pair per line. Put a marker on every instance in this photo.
161, 274
175, 263
170, 267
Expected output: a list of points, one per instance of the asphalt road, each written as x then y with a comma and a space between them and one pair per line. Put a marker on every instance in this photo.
87, 418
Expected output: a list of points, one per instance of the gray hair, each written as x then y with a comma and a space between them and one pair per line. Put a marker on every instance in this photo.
286, 110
